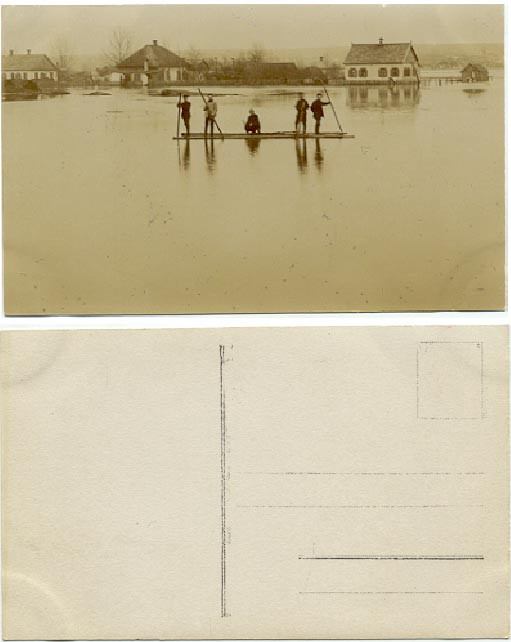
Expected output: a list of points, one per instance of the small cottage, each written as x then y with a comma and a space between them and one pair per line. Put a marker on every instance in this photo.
108, 75
29, 66
474, 73
152, 65
382, 63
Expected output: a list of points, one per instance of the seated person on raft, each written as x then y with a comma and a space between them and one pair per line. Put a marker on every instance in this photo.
253, 124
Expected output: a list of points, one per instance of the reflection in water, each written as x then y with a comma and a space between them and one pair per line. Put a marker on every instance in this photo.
186, 155
209, 147
382, 97
381, 173
253, 145
318, 155
301, 154
474, 92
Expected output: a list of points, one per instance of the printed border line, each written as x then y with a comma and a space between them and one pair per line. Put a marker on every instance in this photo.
223, 603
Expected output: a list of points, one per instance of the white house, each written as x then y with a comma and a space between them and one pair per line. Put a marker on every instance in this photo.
377, 63
28, 66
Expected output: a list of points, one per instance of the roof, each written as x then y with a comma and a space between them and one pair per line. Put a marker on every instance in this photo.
27, 62
476, 66
373, 54
157, 56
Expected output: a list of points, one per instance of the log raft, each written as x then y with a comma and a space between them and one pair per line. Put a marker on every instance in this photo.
266, 135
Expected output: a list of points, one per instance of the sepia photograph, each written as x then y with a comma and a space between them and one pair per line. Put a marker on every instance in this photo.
178, 159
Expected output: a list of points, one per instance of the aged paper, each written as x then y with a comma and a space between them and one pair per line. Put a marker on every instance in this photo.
255, 483
381, 189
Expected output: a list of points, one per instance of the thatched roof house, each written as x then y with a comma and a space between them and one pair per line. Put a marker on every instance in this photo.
152, 64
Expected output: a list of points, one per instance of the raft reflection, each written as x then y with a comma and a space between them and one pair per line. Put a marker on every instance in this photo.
253, 145
301, 155
209, 148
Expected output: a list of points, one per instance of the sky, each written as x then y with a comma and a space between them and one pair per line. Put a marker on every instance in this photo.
241, 26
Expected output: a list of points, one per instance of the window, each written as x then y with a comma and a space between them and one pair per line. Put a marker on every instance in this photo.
382, 72
43, 74
24, 75
394, 71
36, 75
362, 72
352, 73
17, 75
406, 71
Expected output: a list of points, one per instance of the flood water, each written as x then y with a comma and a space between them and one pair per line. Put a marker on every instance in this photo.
105, 213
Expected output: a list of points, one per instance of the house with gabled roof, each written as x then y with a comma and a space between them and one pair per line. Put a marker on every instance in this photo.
474, 72
382, 63
29, 66
152, 65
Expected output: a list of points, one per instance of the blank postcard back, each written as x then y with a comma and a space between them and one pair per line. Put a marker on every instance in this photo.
255, 483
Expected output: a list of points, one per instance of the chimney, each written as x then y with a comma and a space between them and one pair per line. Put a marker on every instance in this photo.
11, 52
155, 42
381, 40
29, 51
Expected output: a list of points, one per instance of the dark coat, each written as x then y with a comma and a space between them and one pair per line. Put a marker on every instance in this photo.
253, 121
185, 109
317, 108
301, 106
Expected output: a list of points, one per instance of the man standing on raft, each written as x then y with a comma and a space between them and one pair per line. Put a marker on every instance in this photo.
185, 107
317, 110
301, 113
210, 109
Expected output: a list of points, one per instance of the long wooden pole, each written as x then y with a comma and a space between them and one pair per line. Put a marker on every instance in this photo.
333, 109
214, 119
178, 117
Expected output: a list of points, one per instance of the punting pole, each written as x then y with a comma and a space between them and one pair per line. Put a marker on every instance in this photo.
178, 116
333, 108
214, 120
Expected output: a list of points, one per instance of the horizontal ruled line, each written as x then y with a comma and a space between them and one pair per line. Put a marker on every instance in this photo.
359, 473
393, 557
391, 592
360, 506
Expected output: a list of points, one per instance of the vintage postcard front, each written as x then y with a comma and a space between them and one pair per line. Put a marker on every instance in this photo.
265, 158
255, 483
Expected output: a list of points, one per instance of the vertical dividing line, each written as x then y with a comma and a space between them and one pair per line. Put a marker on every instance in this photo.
417, 380
223, 608
482, 378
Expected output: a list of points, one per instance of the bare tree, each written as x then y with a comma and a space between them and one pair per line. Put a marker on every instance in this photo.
193, 55
62, 52
256, 54
119, 46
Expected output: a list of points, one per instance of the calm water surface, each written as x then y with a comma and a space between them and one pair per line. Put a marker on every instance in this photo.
105, 213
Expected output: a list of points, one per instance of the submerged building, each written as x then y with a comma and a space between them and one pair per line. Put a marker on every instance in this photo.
152, 65
382, 63
29, 66
474, 73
